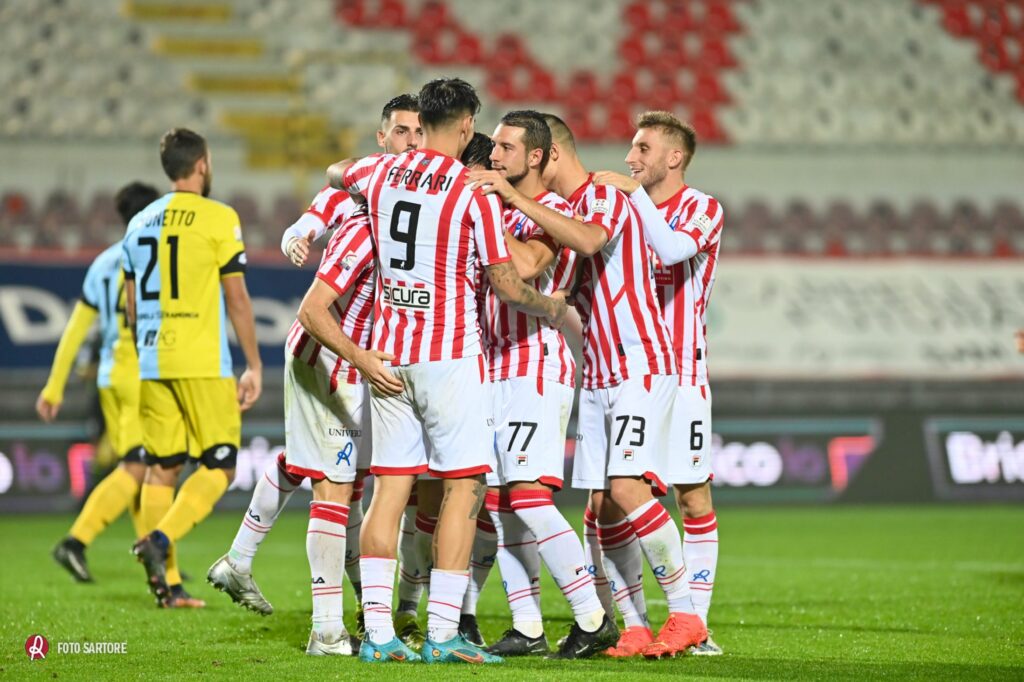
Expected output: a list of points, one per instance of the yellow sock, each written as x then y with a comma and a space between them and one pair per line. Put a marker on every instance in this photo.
107, 501
194, 502
135, 511
154, 503
173, 574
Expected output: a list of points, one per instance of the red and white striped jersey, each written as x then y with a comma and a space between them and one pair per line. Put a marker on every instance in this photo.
624, 334
347, 266
332, 207
520, 345
432, 234
684, 289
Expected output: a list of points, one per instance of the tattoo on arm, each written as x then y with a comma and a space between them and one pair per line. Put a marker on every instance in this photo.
529, 300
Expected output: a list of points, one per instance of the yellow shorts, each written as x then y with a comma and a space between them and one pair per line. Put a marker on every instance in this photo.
120, 406
197, 418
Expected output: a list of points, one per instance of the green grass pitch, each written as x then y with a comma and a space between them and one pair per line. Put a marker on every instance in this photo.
802, 593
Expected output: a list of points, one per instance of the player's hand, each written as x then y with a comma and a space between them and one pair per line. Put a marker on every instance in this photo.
491, 182
556, 318
250, 385
371, 367
619, 181
46, 410
298, 249
1020, 341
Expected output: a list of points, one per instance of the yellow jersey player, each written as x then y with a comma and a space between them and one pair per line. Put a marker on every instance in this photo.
184, 264
118, 383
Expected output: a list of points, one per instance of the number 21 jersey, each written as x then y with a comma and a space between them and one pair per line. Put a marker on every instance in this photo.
177, 249
432, 235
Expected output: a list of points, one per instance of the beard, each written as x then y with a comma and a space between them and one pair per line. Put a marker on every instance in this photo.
653, 175
514, 179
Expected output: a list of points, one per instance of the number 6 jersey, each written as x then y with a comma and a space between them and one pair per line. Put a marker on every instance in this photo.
177, 249
432, 235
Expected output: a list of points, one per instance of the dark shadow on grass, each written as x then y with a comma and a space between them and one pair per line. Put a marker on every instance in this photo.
821, 626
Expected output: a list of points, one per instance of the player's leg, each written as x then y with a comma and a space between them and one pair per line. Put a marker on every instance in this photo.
214, 420
641, 411
325, 550
118, 491
353, 546
414, 569
688, 469
624, 566
454, 400
232, 573
531, 448
409, 585
485, 550
166, 445
595, 564
519, 562
399, 455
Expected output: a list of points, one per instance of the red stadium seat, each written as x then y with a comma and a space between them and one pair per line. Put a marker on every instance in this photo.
542, 85
718, 18
582, 88
623, 87
352, 11
706, 125
638, 15
391, 14
633, 50
433, 15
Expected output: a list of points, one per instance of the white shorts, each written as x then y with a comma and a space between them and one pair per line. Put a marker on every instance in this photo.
623, 430
688, 457
530, 431
442, 423
325, 433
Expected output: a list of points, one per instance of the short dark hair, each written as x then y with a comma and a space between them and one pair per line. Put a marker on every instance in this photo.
404, 102
478, 151
445, 100
180, 148
134, 197
536, 133
560, 132
672, 127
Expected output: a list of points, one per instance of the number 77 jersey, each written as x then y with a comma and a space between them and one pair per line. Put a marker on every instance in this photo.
176, 250
432, 235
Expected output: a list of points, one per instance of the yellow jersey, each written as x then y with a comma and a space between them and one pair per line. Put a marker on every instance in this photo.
177, 249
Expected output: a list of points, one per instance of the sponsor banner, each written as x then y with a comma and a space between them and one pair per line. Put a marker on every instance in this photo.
790, 459
50, 467
36, 301
976, 458
843, 319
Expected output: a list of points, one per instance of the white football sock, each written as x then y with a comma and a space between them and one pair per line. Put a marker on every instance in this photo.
447, 589
660, 541
410, 582
424, 548
325, 549
352, 534
595, 565
562, 552
700, 548
378, 589
519, 562
485, 549
271, 494
624, 566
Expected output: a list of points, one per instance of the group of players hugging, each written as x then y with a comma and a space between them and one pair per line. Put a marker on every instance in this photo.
428, 353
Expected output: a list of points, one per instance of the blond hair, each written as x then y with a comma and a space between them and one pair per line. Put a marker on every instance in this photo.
673, 128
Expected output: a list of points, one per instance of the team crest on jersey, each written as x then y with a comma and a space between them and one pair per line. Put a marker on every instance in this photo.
407, 297
627, 455
700, 223
521, 460
348, 261
600, 206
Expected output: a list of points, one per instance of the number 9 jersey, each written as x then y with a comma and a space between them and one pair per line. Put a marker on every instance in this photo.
177, 249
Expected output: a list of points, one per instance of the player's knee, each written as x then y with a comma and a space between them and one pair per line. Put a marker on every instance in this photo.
629, 493
136, 470
694, 500
164, 471
329, 491
220, 456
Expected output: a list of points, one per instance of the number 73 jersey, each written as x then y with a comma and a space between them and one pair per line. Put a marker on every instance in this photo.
432, 235
177, 249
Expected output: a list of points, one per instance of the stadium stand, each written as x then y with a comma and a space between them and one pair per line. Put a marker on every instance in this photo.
802, 75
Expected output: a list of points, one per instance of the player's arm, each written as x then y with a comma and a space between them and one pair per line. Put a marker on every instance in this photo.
336, 173
50, 398
583, 238
531, 257
299, 235
510, 288
316, 318
672, 247
239, 309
